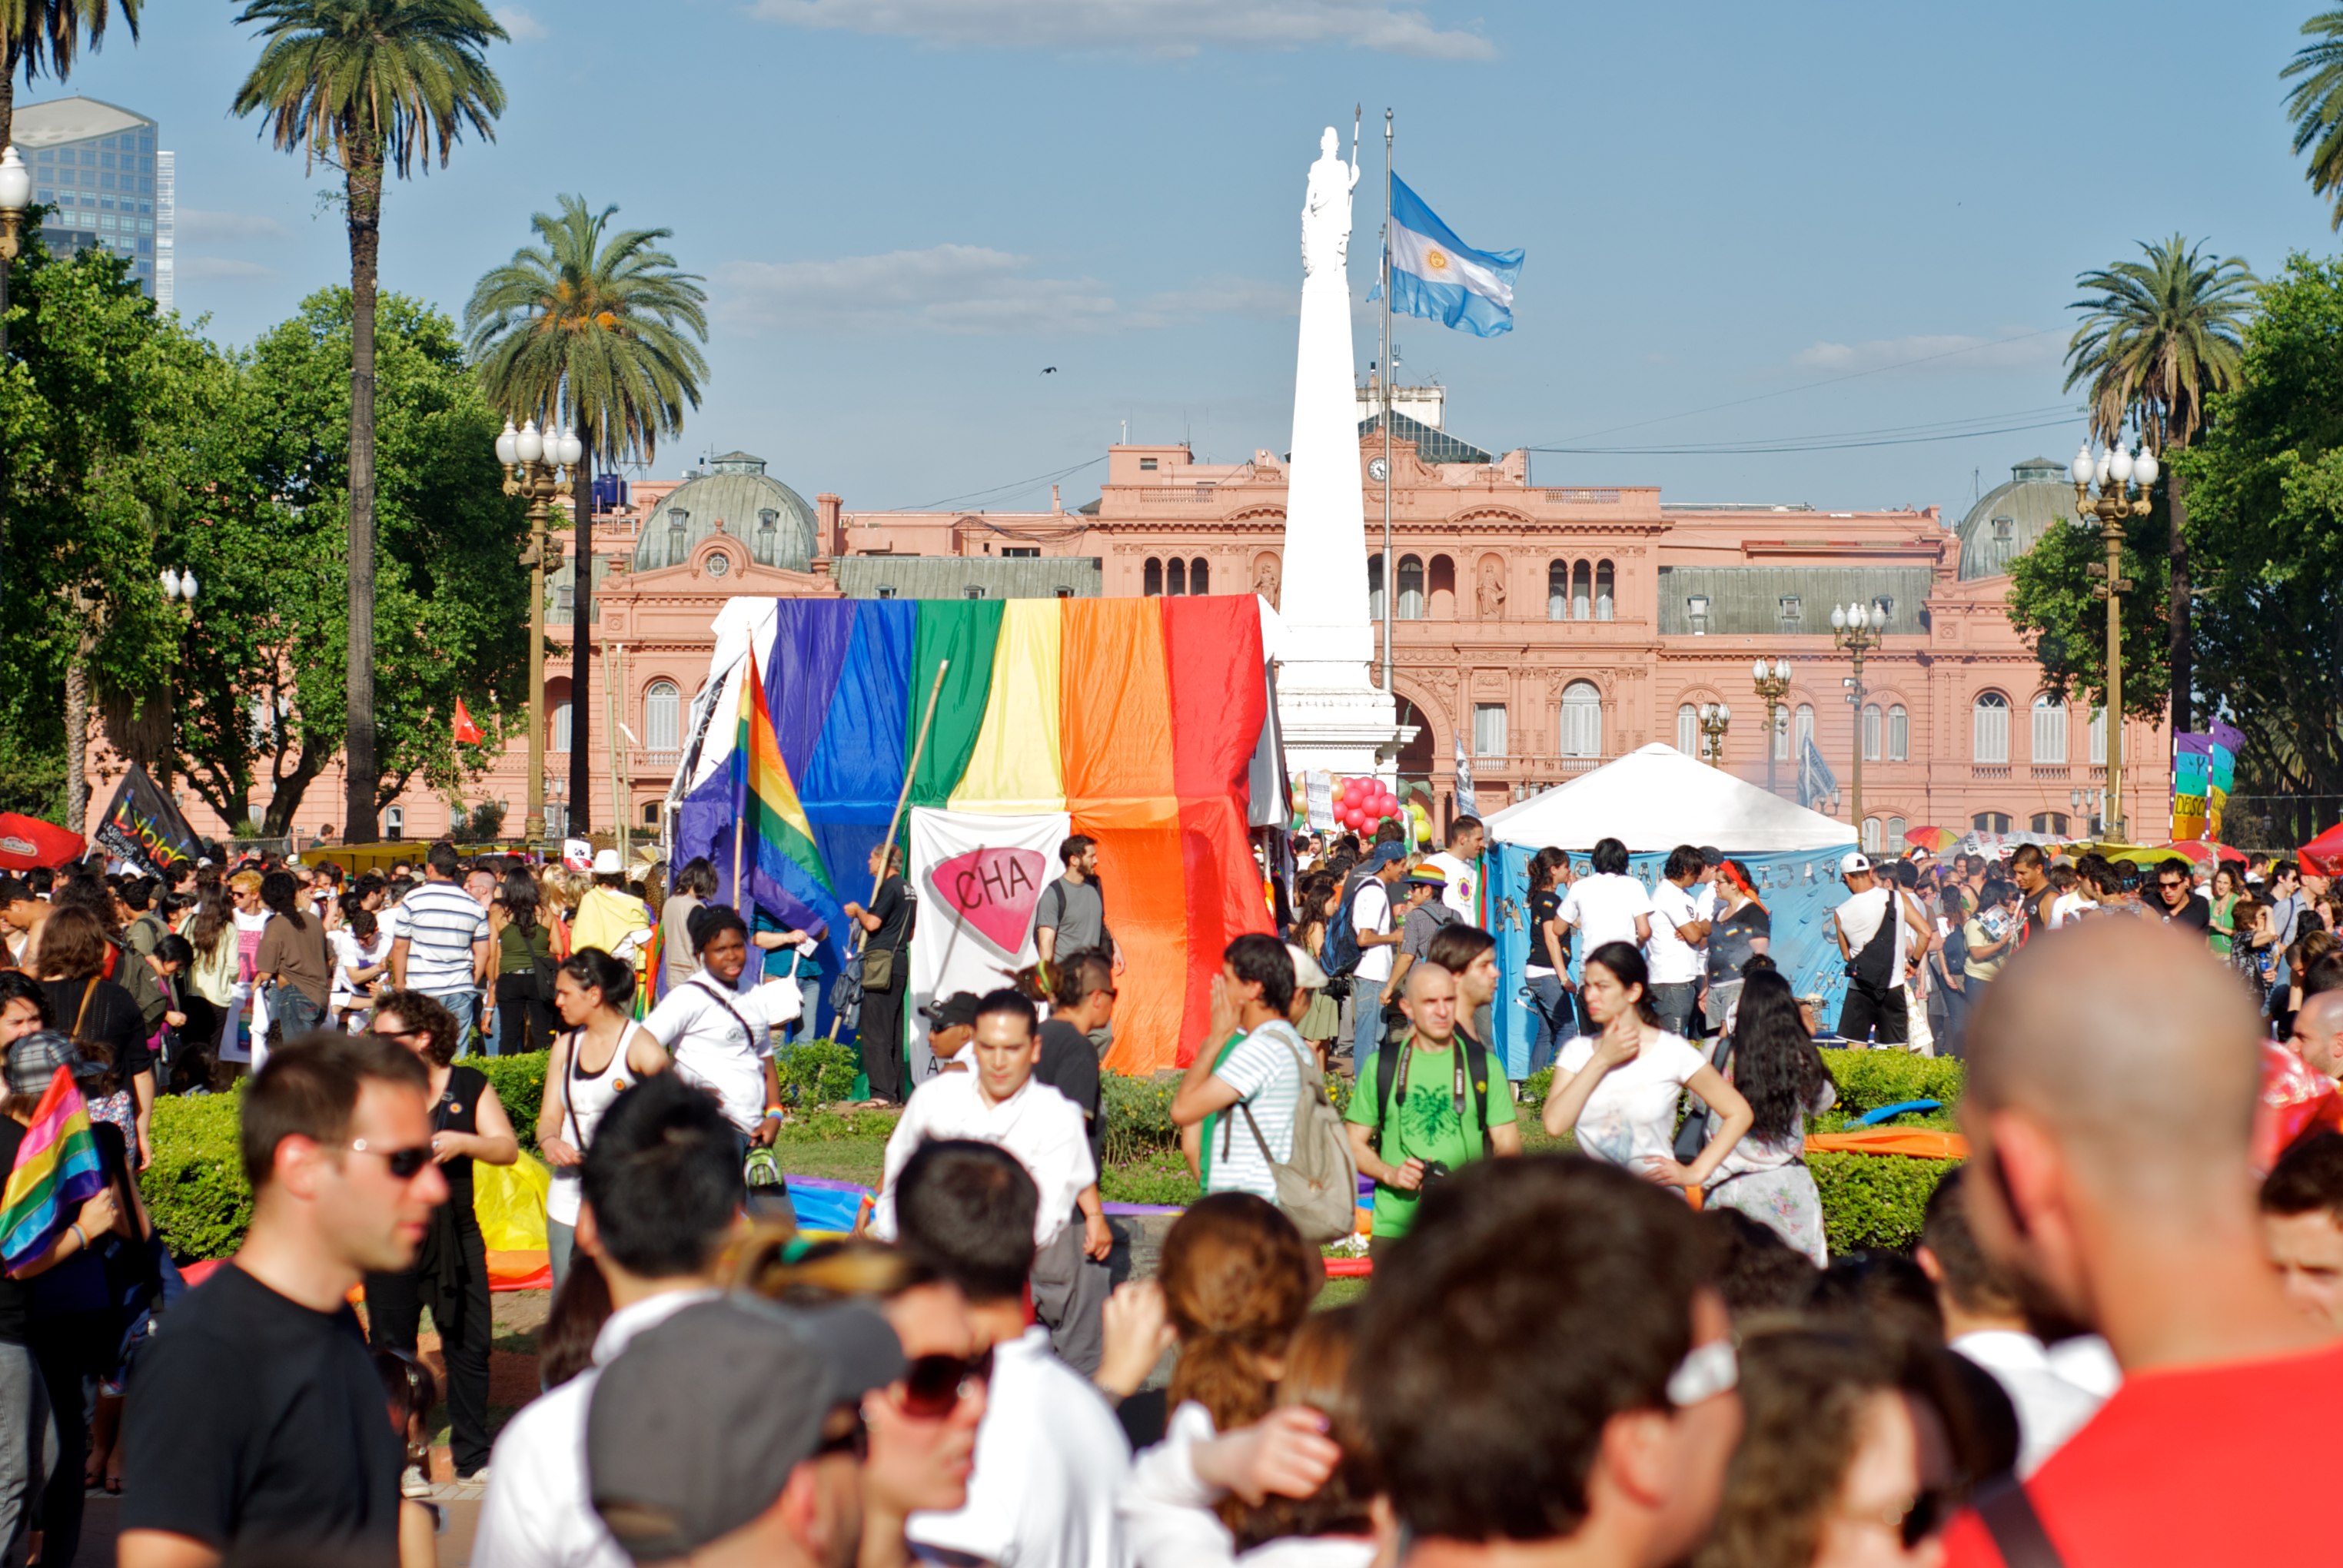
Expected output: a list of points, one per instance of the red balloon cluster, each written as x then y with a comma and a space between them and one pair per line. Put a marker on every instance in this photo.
1361, 803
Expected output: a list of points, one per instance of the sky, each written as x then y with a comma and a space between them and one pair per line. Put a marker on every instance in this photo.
1831, 226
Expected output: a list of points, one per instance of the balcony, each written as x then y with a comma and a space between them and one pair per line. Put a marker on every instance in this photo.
1540, 770
1994, 772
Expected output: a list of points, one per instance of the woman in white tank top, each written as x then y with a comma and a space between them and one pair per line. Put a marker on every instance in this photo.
602, 1052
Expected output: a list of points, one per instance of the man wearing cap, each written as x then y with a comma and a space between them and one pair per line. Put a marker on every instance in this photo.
952, 1024
1372, 925
1874, 926
735, 1435
1424, 909
1459, 866
439, 942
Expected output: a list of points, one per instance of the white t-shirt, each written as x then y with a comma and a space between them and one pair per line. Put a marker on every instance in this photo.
1039, 1126
1463, 884
700, 1023
1632, 1114
1603, 909
2050, 1410
2067, 906
351, 953
1370, 915
1674, 962
1264, 1069
1051, 1465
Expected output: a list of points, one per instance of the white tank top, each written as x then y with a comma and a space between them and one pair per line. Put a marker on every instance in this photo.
587, 1096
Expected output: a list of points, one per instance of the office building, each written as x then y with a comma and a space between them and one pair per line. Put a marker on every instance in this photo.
97, 166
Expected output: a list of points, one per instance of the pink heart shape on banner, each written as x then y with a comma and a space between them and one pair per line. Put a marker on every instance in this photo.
993, 891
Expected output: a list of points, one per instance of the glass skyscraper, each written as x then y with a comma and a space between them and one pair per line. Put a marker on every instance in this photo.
97, 165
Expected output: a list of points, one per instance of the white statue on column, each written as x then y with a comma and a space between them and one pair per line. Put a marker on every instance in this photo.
1326, 212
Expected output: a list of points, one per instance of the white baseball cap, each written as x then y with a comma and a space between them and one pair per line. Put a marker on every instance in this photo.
606, 863
1854, 864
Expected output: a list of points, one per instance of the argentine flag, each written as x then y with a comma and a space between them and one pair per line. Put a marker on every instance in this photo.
1435, 274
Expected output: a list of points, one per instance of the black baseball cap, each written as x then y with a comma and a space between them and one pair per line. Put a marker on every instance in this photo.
956, 1010
694, 1429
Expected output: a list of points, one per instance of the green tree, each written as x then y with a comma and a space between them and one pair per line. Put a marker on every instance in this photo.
45, 35
609, 318
371, 87
2315, 106
264, 675
2159, 336
2265, 526
2051, 602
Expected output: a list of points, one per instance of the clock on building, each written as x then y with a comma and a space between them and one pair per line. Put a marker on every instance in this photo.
1377, 470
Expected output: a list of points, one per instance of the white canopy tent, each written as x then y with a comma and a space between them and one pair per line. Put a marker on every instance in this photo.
1656, 798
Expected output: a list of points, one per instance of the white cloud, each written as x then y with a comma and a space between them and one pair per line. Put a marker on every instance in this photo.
200, 268
199, 227
1945, 353
523, 26
961, 288
1144, 26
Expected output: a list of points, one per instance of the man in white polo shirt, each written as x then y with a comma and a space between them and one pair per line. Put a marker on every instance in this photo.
439, 941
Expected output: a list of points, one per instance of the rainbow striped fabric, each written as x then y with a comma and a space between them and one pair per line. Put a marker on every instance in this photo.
777, 849
56, 1172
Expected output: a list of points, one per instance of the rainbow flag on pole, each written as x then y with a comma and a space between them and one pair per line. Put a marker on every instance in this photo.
55, 1171
786, 876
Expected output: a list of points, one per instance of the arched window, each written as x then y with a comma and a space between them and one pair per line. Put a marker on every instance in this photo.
1990, 821
1582, 719
2050, 822
1557, 590
1602, 581
2049, 730
1871, 835
1897, 828
1899, 734
1871, 725
1175, 578
662, 718
1200, 576
1688, 729
1151, 578
650, 813
1989, 729
1802, 729
1411, 587
1440, 601
1375, 588
560, 739
2098, 738
1582, 593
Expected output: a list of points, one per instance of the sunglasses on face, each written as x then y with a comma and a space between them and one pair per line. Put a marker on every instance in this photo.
404, 1163
934, 1386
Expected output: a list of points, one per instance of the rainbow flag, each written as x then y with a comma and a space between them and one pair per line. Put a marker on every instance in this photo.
56, 1172
785, 872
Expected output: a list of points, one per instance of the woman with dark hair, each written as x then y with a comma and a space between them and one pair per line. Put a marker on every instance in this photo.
1312, 909
294, 965
1618, 1087
1775, 1065
451, 1267
603, 1050
1609, 906
721, 1037
523, 1019
1548, 970
102, 1021
695, 884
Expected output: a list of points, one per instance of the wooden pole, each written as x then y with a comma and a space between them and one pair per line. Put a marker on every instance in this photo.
911, 771
741, 820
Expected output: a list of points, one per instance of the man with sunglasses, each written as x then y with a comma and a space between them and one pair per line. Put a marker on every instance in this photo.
255, 1428
2176, 900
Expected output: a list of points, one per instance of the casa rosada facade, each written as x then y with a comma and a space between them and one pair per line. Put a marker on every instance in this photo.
1552, 626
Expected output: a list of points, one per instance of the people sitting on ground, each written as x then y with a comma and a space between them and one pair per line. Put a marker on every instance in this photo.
2302, 1224
1779, 1073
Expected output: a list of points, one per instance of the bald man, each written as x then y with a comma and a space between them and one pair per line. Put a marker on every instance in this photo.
2112, 1085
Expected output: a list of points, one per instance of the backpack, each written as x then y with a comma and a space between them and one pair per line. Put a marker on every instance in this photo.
1341, 955
1317, 1189
1476, 1069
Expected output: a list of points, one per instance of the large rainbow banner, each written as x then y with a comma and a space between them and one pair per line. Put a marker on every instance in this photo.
1138, 718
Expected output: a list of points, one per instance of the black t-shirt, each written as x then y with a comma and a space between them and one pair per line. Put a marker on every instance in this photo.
894, 907
2196, 914
16, 1295
257, 1427
1545, 905
112, 1018
1732, 938
1069, 1065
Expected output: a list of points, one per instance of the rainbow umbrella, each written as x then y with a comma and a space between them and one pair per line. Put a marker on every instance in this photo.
1932, 839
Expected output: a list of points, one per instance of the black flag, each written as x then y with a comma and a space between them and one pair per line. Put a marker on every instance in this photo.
143, 828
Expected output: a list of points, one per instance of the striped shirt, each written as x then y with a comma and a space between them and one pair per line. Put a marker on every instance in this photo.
439, 923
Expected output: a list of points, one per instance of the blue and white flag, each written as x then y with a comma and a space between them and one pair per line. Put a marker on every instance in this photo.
1463, 775
1433, 273
1816, 782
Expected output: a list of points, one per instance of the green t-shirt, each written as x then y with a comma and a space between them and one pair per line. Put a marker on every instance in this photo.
1424, 1123
1211, 1126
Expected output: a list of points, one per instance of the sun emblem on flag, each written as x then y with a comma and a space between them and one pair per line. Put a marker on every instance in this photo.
1436, 259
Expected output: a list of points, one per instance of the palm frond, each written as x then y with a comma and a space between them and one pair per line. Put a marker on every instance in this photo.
47, 35
2157, 337
372, 82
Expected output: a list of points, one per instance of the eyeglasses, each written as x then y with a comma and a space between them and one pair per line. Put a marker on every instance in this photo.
1925, 1515
935, 1385
855, 1440
395, 1033
404, 1163
1705, 1371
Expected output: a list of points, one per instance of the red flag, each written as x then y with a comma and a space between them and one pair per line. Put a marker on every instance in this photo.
466, 732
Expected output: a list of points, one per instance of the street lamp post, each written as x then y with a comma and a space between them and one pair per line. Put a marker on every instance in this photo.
1715, 718
536, 465
179, 593
1772, 683
1856, 631
15, 196
2115, 472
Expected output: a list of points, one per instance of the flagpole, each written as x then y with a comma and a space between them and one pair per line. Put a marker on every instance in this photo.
1390, 585
740, 795
911, 771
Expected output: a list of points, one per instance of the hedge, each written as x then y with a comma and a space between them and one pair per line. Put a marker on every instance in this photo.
194, 1189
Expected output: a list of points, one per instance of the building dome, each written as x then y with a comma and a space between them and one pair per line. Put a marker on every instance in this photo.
2006, 523
758, 510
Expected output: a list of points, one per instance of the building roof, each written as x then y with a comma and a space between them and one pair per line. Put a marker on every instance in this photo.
62, 120
952, 576
1432, 445
2008, 518
773, 520
1766, 601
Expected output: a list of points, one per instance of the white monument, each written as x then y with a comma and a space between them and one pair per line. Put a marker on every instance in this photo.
1332, 716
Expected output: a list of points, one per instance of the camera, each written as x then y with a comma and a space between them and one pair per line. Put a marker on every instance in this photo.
1435, 1172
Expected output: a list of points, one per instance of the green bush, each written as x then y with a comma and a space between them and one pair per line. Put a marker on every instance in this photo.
194, 1189
1535, 1088
1137, 1112
817, 1072
1874, 1200
1868, 1079
520, 1083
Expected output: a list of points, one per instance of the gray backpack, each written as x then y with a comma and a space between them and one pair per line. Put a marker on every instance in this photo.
1317, 1189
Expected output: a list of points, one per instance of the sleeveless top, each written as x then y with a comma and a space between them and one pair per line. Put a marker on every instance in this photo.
458, 1110
586, 1095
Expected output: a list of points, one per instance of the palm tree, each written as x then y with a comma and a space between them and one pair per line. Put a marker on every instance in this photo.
45, 35
2159, 336
604, 319
372, 86
2315, 106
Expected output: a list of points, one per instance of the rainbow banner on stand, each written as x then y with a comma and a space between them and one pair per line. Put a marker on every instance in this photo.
55, 1174
2222, 775
1140, 719
2192, 773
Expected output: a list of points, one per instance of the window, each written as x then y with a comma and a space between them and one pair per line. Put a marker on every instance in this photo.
1899, 734
1582, 593
1151, 578
1022, 552
1557, 590
1697, 610
1794, 612
1989, 729
1375, 588
976, 590
1175, 577
1200, 576
650, 813
1871, 724
1895, 830
2050, 822
1602, 581
1146, 465
886, 590
1065, 593
2005, 528
1411, 587
1990, 821
662, 718
1488, 729
2098, 737
2049, 730
560, 737
1688, 729
393, 821
720, 565
769, 526
1582, 719
1802, 729
1871, 835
